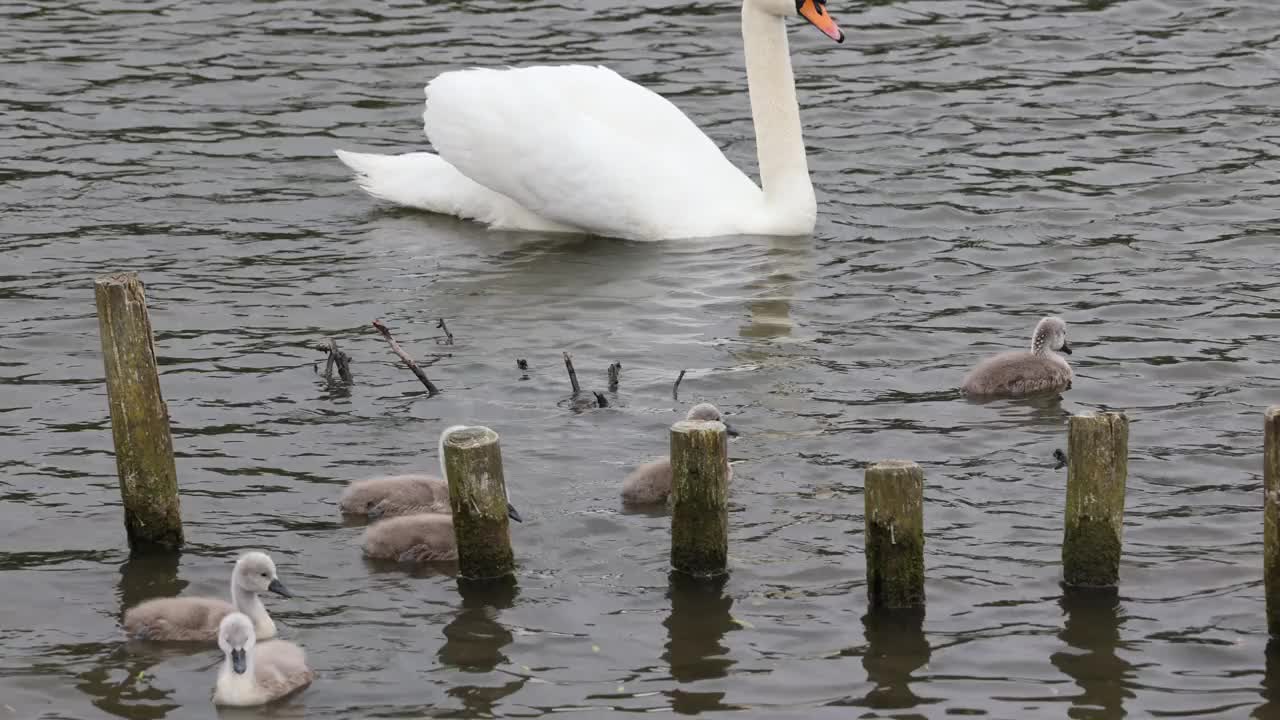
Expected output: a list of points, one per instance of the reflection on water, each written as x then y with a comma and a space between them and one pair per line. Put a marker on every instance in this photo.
896, 649
695, 650
1270, 706
150, 575
1092, 632
474, 640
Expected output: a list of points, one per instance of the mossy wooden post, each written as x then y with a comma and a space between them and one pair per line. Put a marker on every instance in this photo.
894, 495
139, 417
478, 496
1097, 468
1271, 517
700, 498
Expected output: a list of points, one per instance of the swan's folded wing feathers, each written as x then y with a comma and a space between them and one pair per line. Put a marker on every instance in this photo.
176, 618
582, 146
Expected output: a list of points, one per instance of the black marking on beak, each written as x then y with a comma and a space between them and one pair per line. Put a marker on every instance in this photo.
239, 663
1066, 348
278, 588
731, 430
513, 513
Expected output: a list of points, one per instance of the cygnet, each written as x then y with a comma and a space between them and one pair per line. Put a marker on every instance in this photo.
255, 673
650, 483
1018, 373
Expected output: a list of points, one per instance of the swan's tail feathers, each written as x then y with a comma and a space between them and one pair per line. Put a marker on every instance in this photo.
427, 182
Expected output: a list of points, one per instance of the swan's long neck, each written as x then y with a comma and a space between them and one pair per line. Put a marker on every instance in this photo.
248, 602
784, 170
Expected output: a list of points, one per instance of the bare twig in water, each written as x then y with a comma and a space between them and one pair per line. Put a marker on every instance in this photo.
600, 399
615, 372
675, 389
395, 348
573, 374
338, 358
522, 364
448, 336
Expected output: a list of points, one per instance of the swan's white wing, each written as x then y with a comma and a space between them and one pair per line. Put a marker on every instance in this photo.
584, 147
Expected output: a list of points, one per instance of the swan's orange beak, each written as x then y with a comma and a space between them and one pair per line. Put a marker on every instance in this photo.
815, 11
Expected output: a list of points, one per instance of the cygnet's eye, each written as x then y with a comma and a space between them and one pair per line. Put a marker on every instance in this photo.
266, 574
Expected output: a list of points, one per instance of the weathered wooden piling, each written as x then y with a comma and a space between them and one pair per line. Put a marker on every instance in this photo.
1097, 468
1271, 516
700, 497
894, 497
478, 496
139, 417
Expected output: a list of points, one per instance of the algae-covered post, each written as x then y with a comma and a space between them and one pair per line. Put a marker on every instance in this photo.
700, 497
478, 496
139, 417
1271, 516
894, 496
1097, 468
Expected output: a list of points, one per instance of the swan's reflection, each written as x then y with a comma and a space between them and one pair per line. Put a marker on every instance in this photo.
784, 263
700, 617
896, 648
1092, 630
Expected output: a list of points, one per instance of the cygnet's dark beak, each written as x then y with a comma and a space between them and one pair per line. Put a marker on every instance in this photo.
1066, 348
513, 513
278, 588
375, 511
733, 432
238, 662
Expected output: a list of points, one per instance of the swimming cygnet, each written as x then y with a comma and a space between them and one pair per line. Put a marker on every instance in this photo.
651, 482
413, 539
421, 537
197, 618
397, 495
256, 673
1022, 372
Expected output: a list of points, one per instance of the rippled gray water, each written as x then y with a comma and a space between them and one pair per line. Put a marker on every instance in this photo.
978, 164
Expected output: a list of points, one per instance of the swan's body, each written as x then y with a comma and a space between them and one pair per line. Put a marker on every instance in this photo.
1019, 373
398, 495
197, 618
256, 673
581, 149
412, 539
650, 483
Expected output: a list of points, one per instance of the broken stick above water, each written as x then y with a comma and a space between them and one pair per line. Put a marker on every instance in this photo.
615, 373
448, 336
675, 389
395, 348
573, 374
336, 358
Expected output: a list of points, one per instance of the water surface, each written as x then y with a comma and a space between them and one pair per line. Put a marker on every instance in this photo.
978, 165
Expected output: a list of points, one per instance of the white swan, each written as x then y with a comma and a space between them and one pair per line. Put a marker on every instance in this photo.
580, 149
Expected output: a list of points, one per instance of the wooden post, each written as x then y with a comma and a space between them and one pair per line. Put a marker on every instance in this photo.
478, 496
1097, 467
139, 417
894, 495
1271, 517
700, 498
